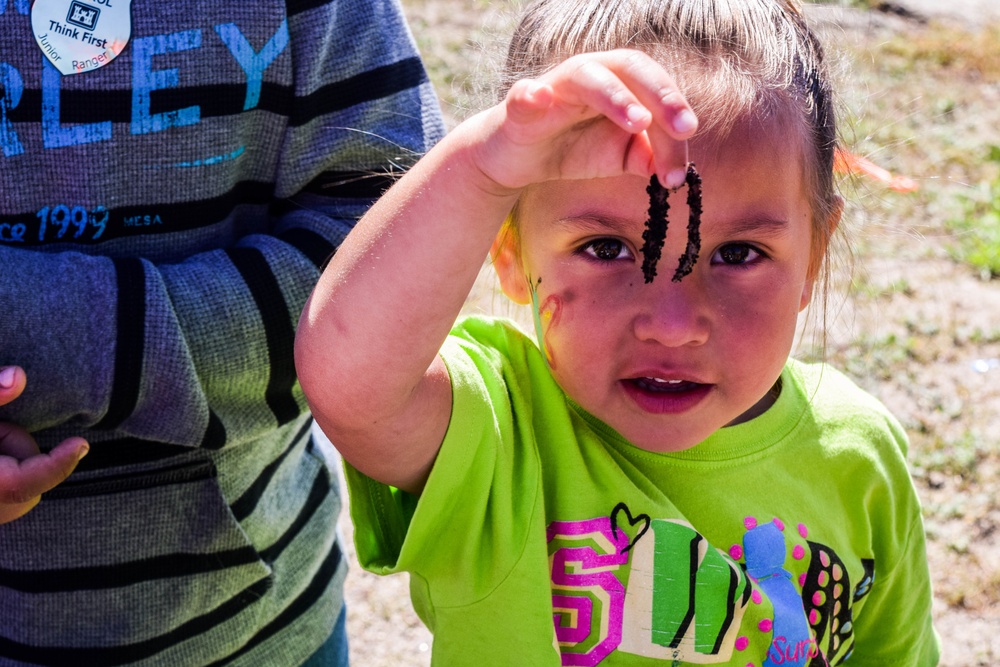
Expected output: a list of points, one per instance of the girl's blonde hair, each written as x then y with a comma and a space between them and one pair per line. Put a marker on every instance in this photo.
735, 61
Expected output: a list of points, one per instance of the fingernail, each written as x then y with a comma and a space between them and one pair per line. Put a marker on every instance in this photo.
636, 115
7, 377
83, 452
675, 178
685, 121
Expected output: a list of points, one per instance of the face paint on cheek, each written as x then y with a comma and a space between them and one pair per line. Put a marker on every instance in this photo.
546, 315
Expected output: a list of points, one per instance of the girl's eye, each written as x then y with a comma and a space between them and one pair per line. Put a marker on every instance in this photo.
736, 254
607, 250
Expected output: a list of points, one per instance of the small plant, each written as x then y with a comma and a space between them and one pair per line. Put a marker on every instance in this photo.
977, 230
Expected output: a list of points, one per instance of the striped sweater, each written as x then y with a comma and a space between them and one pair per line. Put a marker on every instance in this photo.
162, 221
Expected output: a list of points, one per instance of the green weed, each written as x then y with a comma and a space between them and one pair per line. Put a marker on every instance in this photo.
977, 229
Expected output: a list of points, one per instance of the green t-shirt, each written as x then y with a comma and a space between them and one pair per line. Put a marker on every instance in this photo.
543, 537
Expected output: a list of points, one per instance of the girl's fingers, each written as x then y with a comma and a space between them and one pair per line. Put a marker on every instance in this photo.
635, 93
577, 90
656, 90
528, 99
641, 110
670, 157
673, 121
588, 81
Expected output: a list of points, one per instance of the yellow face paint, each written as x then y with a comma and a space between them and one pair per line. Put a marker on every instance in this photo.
537, 317
546, 315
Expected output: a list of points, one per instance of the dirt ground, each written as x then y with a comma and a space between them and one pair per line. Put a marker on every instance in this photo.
918, 327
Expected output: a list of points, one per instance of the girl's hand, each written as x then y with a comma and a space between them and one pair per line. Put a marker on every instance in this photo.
410, 262
26, 473
594, 115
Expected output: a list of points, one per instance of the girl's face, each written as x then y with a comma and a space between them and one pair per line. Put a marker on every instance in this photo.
665, 363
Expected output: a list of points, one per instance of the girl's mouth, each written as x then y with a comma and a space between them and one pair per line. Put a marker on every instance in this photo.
665, 396
661, 385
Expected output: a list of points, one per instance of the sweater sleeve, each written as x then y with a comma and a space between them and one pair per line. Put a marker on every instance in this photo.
197, 349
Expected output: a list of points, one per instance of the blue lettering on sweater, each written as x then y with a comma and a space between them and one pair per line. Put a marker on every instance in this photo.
55, 221
64, 222
253, 63
20, 6
12, 233
13, 88
214, 159
145, 80
147, 220
54, 134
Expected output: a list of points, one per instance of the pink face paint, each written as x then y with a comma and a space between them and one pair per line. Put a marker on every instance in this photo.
546, 315
549, 313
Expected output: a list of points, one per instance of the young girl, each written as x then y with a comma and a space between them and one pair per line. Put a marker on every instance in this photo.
655, 481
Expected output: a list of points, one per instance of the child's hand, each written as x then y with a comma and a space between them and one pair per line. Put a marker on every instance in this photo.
26, 473
393, 290
594, 115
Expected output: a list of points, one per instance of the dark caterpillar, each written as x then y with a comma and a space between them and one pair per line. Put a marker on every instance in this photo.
690, 256
656, 226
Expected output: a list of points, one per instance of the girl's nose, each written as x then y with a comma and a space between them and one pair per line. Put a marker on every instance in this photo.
674, 314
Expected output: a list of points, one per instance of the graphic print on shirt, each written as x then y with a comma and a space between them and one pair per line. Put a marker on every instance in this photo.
147, 77
656, 588
37, 98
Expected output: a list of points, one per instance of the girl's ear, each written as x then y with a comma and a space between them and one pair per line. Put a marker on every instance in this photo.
819, 252
507, 263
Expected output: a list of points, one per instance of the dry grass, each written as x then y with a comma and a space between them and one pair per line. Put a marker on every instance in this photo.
948, 49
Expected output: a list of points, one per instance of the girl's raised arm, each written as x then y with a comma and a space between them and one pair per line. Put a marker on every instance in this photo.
367, 344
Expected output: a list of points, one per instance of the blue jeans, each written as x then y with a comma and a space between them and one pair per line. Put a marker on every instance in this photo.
333, 653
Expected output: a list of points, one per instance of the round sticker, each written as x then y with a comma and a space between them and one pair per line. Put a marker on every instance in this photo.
81, 35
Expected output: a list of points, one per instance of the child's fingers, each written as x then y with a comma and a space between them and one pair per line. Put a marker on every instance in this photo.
673, 121
670, 156
635, 93
12, 380
577, 90
9, 512
22, 481
528, 99
25, 474
603, 89
658, 92
627, 89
